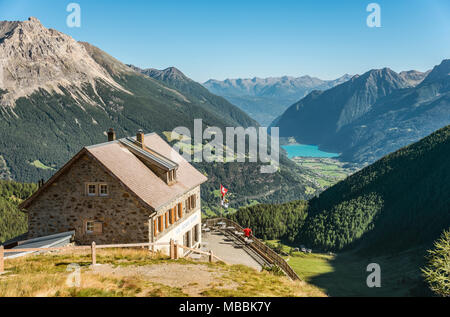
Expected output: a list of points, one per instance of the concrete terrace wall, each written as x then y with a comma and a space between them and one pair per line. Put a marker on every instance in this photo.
65, 206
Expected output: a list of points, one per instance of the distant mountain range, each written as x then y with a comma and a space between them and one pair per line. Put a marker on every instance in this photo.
373, 114
264, 99
58, 95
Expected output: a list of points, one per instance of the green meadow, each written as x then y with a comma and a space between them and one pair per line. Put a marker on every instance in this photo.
345, 274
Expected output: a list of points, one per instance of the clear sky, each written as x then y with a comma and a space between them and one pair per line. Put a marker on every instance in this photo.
247, 38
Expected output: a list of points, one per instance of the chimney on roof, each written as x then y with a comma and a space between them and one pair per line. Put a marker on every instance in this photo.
111, 135
140, 137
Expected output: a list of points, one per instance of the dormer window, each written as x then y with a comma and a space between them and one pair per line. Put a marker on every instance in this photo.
162, 166
171, 176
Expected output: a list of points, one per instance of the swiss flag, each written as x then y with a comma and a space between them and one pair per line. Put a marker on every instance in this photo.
223, 190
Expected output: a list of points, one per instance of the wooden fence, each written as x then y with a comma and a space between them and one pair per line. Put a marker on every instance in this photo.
259, 247
173, 250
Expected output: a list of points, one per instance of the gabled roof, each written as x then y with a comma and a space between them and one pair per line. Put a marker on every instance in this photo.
120, 162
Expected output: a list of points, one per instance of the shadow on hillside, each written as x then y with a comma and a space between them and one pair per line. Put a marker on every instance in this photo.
400, 275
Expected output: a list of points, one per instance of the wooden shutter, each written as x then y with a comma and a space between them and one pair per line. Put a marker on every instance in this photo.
160, 224
194, 201
180, 210
167, 219
98, 227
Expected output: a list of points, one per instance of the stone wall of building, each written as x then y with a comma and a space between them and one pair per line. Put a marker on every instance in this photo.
65, 206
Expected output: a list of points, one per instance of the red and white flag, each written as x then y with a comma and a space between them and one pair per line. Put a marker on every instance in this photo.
223, 190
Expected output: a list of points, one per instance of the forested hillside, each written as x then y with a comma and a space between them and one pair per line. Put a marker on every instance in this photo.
273, 221
13, 222
401, 201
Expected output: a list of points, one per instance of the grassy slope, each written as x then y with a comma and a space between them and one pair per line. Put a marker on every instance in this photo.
345, 274
46, 275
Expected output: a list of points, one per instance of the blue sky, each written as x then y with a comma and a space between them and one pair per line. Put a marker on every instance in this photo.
230, 39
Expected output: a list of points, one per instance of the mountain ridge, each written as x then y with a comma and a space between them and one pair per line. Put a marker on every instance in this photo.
266, 98
372, 114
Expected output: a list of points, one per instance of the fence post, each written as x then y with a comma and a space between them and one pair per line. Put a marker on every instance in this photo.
211, 256
175, 251
2, 260
172, 249
93, 253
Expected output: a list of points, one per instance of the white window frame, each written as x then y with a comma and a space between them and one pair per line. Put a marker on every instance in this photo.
88, 185
100, 190
87, 226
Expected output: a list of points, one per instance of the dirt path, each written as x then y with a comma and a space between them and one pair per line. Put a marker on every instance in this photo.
192, 279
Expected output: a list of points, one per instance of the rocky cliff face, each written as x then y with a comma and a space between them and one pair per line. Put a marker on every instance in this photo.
33, 57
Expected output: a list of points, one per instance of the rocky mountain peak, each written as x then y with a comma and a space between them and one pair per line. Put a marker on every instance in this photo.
170, 74
33, 57
34, 20
413, 77
439, 72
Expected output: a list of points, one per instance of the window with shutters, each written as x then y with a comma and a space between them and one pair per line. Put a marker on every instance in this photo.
160, 224
180, 210
191, 203
98, 227
171, 216
197, 233
166, 218
94, 227
90, 226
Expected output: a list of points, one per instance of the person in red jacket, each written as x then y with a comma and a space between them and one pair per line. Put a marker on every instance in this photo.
247, 232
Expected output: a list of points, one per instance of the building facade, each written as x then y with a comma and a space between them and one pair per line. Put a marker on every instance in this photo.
130, 190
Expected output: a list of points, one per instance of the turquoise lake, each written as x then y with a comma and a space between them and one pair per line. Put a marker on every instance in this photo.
306, 151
